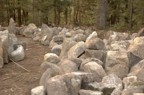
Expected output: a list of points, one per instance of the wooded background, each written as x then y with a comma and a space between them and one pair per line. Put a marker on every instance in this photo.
119, 14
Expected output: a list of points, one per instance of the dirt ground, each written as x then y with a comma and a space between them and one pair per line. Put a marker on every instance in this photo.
16, 81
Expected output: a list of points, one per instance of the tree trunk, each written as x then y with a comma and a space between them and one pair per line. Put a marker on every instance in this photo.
102, 14
130, 13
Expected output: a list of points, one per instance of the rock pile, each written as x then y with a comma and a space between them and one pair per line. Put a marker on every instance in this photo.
10, 47
80, 63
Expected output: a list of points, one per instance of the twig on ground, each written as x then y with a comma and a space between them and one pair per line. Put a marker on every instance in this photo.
20, 66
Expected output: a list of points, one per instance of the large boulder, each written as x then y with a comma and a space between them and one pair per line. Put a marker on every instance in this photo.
1, 55
95, 43
68, 66
138, 70
18, 54
29, 30
67, 44
46, 34
96, 69
112, 85
57, 49
117, 63
12, 27
5, 40
52, 58
77, 50
135, 51
89, 92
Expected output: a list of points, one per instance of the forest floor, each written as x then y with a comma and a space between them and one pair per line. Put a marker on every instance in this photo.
15, 80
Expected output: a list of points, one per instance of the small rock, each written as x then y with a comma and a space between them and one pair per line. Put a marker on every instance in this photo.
52, 58
57, 49
18, 54
38, 91
90, 92
77, 50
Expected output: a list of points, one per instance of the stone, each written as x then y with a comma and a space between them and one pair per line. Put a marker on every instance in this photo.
67, 84
38, 91
58, 39
18, 54
4, 36
12, 26
89, 92
129, 80
80, 37
96, 86
111, 84
96, 69
131, 91
87, 60
138, 94
29, 30
117, 63
135, 49
77, 61
1, 55
138, 70
52, 58
67, 44
99, 54
57, 49
77, 50
68, 66
95, 43
140, 32
120, 45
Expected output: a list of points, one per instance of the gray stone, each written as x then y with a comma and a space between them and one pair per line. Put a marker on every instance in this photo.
138, 70
77, 50
111, 85
29, 30
96, 69
12, 27
135, 51
38, 91
99, 54
52, 58
90, 92
80, 37
4, 36
67, 44
95, 43
117, 63
57, 49
18, 54
129, 81
68, 66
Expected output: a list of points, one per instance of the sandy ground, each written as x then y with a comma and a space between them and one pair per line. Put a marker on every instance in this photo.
16, 81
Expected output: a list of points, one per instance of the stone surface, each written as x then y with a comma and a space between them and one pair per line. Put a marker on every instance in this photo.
57, 49
80, 37
52, 58
18, 54
77, 50
95, 43
29, 30
111, 84
140, 32
117, 63
138, 70
90, 92
68, 66
1, 55
129, 80
4, 36
138, 94
99, 54
96, 69
135, 50
38, 91
12, 27
67, 44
